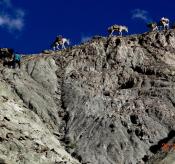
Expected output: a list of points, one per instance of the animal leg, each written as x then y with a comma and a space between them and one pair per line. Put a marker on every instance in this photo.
161, 27
155, 29
111, 34
164, 26
63, 46
167, 26
57, 46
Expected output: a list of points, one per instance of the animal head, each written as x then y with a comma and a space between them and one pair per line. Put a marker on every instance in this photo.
125, 28
68, 41
109, 29
164, 20
59, 36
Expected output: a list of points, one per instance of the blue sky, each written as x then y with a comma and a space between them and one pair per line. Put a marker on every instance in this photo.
30, 26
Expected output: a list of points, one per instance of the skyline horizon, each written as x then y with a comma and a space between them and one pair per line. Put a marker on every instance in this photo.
30, 27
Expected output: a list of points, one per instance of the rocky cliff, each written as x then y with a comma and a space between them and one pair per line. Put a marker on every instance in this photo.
108, 101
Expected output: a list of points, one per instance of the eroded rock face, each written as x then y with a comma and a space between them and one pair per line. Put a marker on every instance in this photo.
23, 136
108, 101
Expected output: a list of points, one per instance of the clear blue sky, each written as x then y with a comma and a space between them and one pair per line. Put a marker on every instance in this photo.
30, 26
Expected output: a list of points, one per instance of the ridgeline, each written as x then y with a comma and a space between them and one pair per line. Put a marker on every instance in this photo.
108, 101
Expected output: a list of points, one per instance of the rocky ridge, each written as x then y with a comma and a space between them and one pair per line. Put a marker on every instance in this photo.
110, 100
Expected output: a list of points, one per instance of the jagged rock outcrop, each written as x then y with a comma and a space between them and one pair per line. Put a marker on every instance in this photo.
108, 101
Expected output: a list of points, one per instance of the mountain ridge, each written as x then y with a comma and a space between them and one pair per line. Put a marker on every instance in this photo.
110, 100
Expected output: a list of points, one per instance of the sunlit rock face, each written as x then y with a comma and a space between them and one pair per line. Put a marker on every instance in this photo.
108, 101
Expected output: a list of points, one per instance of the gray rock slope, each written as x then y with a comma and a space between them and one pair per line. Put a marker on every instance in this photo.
108, 101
